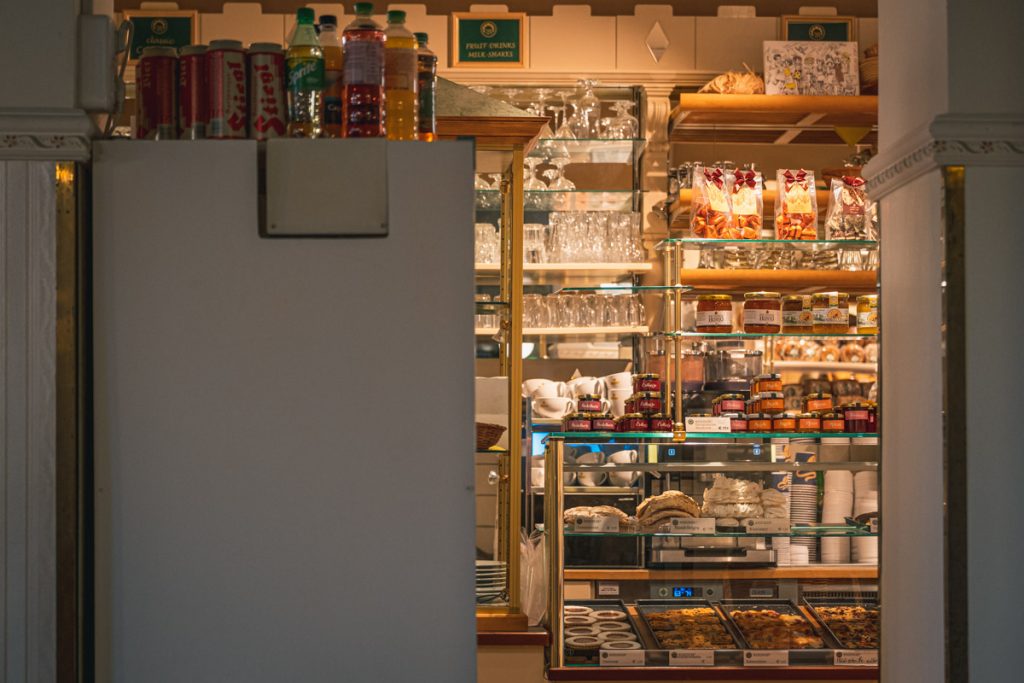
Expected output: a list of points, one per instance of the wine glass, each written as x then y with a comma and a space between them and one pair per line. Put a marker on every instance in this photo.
531, 183
556, 177
564, 130
586, 112
627, 125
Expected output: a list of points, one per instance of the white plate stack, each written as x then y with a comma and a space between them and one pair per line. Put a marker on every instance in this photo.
837, 506
490, 580
865, 488
803, 509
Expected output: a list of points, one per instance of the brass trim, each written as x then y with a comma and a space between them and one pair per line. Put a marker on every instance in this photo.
553, 532
955, 423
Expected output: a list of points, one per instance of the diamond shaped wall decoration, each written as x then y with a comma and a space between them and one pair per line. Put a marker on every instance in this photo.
656, 41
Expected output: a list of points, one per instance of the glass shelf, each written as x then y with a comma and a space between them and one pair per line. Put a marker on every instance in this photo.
627, 288
730, 466
824, 244
704, 437
568, 192
778, 435
795, 532
489, 305
750, 335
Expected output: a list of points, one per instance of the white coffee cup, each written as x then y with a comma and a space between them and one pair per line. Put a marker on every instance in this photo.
618, 404
553, 407
544, 388
537, 477
618, 477
591, 478
619, 381
587, 385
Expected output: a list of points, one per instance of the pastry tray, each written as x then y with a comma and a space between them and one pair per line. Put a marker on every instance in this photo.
591, 657
812, 603
733, 657
797, 657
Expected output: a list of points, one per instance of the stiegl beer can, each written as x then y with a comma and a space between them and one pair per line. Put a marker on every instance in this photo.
267, 101
228, 102
156, 87
193, 93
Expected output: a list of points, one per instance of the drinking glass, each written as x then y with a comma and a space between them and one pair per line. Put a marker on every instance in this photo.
534, 247
586, 111
486, 243
535, 311
564, 130
531, 183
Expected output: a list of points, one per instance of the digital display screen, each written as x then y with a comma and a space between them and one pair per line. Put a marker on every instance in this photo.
685, 592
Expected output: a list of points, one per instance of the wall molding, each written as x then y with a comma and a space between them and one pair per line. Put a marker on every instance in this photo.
46, 135
949, 140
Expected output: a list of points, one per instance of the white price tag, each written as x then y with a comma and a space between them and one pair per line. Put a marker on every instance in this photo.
771, 525
692, 525
596, 525
856, 658
608, 588
717, 425
766, 658
622, 657
691, 658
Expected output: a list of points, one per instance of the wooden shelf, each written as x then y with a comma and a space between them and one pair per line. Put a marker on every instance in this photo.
822, 366
719, 673
772, 119
786, 281
580, 269
812, 571
679, 210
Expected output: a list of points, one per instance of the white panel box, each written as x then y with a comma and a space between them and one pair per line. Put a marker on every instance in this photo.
572, 40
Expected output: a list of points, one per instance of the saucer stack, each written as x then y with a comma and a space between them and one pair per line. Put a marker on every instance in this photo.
490, 580
838, 505
865, 486
803, 509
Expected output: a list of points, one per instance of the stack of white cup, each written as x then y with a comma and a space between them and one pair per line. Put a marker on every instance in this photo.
838, 505
803, 509
865, 487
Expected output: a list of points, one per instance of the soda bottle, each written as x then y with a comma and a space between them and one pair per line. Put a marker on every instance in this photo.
400, 80
305, 66
363, 95
330, 41
426, 75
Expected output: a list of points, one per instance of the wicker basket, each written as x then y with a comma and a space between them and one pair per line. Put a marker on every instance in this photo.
488, 435
869, 75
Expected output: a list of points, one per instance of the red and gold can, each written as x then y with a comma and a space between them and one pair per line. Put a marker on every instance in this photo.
268, 108
156, 89
193, 93
226, 68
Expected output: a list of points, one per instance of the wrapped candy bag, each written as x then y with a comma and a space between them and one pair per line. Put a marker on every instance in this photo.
747, 203
710, 216
796, 208
850, 215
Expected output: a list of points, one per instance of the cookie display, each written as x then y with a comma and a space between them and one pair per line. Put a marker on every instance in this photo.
768, 629
854, 626
692, 628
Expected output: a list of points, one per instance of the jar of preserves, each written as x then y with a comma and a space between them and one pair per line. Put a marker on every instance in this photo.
831, 312
762, 312
783, 423
771, 402
808, 423
714, 313
856, 417
767, 382
660, 422
832, 422
867, 314
646, 403
731, 403
591, 403
872, 417
797, 315
737, 422
759, 423
602, 422
632, 422
817, 402
649, 381
577, 422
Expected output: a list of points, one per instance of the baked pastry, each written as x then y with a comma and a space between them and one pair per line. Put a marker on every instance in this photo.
583, 643
580, 610
694, 628
603, 626
855, 627
730, 497
609, 615
579, 620
572, 514
581, 631
616, 635
620, 645
664, 506
766, 629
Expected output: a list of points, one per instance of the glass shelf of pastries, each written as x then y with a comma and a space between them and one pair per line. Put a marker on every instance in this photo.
730, 517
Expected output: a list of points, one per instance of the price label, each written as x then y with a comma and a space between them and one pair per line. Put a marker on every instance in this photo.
766, 658
691, 658
717, 425
856, 658
772, 525
622, 657
596, 525
692, 525
607, 588
762, 593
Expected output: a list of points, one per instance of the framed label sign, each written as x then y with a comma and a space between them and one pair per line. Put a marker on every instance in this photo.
485, 39
161, 28
798, 27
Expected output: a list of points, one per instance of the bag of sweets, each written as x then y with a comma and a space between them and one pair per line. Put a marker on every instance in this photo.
851, 215
796, 207
747, 201
710, 216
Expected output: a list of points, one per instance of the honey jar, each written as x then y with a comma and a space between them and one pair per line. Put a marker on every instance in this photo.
714, 313
797, 315
759, 423
867, 314
831, 312
767, 382
818, 402
762, 312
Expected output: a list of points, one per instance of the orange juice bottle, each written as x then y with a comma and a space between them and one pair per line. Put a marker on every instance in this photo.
400, 79
330, 42
427, 77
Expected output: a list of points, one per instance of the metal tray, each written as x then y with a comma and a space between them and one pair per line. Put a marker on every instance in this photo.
797, 657
591, 657
733, 657
838, 644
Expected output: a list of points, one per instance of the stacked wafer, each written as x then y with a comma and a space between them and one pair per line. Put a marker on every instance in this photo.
663, 507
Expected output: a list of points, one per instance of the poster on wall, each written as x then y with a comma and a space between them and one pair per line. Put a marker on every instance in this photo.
488, 40
810, 68
161, 28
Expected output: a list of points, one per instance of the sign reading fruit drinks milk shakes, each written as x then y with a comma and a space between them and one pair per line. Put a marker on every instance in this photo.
488, 40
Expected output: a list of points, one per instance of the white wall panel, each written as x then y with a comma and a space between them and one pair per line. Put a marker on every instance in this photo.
635, 32
572, 40
724, 44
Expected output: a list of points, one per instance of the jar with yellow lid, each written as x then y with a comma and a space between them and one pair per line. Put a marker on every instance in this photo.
831, 312
867, 314
762, 312
796, 313
714, 313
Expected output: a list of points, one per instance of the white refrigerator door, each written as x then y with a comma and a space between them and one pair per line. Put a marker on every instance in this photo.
283, 427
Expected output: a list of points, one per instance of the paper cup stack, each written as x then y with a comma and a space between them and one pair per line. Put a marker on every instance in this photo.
865, 487
803, 509
837, 506
781, 482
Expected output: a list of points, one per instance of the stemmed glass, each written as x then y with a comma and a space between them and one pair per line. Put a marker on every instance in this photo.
556, 177
586, 112
625, 126
564, 130
531, 183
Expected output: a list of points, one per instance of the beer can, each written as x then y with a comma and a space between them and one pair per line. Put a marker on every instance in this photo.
268, 105
193, 93
225, 61
156, 86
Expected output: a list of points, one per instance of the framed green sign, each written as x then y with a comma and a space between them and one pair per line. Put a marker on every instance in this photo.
799, 27
485, 39
161, 28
